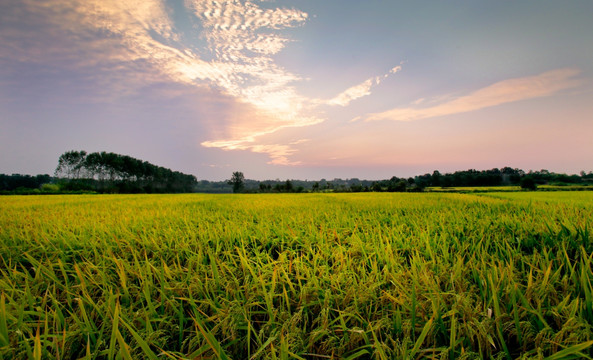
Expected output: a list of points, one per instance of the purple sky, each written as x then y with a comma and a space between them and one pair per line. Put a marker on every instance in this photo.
303, 89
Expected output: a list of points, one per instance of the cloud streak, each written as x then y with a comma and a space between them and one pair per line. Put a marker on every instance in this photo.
242, 37
279, 153
232, 54
360, 90
137, 41
503, 92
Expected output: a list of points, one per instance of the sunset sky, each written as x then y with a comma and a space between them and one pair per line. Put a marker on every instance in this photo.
303, 89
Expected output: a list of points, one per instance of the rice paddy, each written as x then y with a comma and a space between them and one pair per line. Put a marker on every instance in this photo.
297, 276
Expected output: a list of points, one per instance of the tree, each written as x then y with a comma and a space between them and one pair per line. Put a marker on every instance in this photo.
288, 186
400, 186
528, 183
237, 181
119, 173
435, 179
265, 187
70, 164
315, 187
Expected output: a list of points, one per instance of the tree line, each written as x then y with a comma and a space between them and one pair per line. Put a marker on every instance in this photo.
17, 183
101, 172
79, 171
466, 178
111, 172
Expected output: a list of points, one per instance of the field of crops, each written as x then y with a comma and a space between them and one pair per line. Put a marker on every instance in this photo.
306, 276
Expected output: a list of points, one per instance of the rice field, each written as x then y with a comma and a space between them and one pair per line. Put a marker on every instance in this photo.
297, 276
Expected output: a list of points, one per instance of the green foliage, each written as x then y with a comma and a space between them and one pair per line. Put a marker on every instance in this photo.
70, 164
115, 173
354, 276
50, 188
109, 172
528, 183
16, 181
237, 181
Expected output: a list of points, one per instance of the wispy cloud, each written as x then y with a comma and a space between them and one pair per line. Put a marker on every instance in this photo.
138, 40
502, 92
279, 153
216, 165
242, 37
360, 90
231, 28
126, 45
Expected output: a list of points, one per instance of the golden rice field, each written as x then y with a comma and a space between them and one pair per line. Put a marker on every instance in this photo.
297, 276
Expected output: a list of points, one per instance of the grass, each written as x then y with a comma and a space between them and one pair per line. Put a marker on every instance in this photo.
309, 276
506, 188
472, 189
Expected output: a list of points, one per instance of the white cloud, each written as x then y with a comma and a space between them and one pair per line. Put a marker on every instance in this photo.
126, 45
138, 40
360, 90
502, 92
217, 166
279, 153
355, 92
243, 37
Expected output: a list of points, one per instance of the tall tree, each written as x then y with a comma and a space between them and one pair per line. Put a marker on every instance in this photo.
107, 171
70, 164
237, 181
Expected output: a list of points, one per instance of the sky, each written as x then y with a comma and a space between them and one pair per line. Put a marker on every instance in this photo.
302, 89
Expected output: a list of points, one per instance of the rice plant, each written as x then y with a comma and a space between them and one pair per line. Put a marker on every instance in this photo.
304, 276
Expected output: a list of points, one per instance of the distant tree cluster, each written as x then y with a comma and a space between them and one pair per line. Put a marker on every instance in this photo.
213, 187
17, 183
477, 178
78, 171
465, 178
280, 187
110, 172
240, 185
396, 184
499, 177
493, 177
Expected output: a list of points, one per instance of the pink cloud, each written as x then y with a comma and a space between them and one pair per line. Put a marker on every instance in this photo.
502, 92
360, 90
